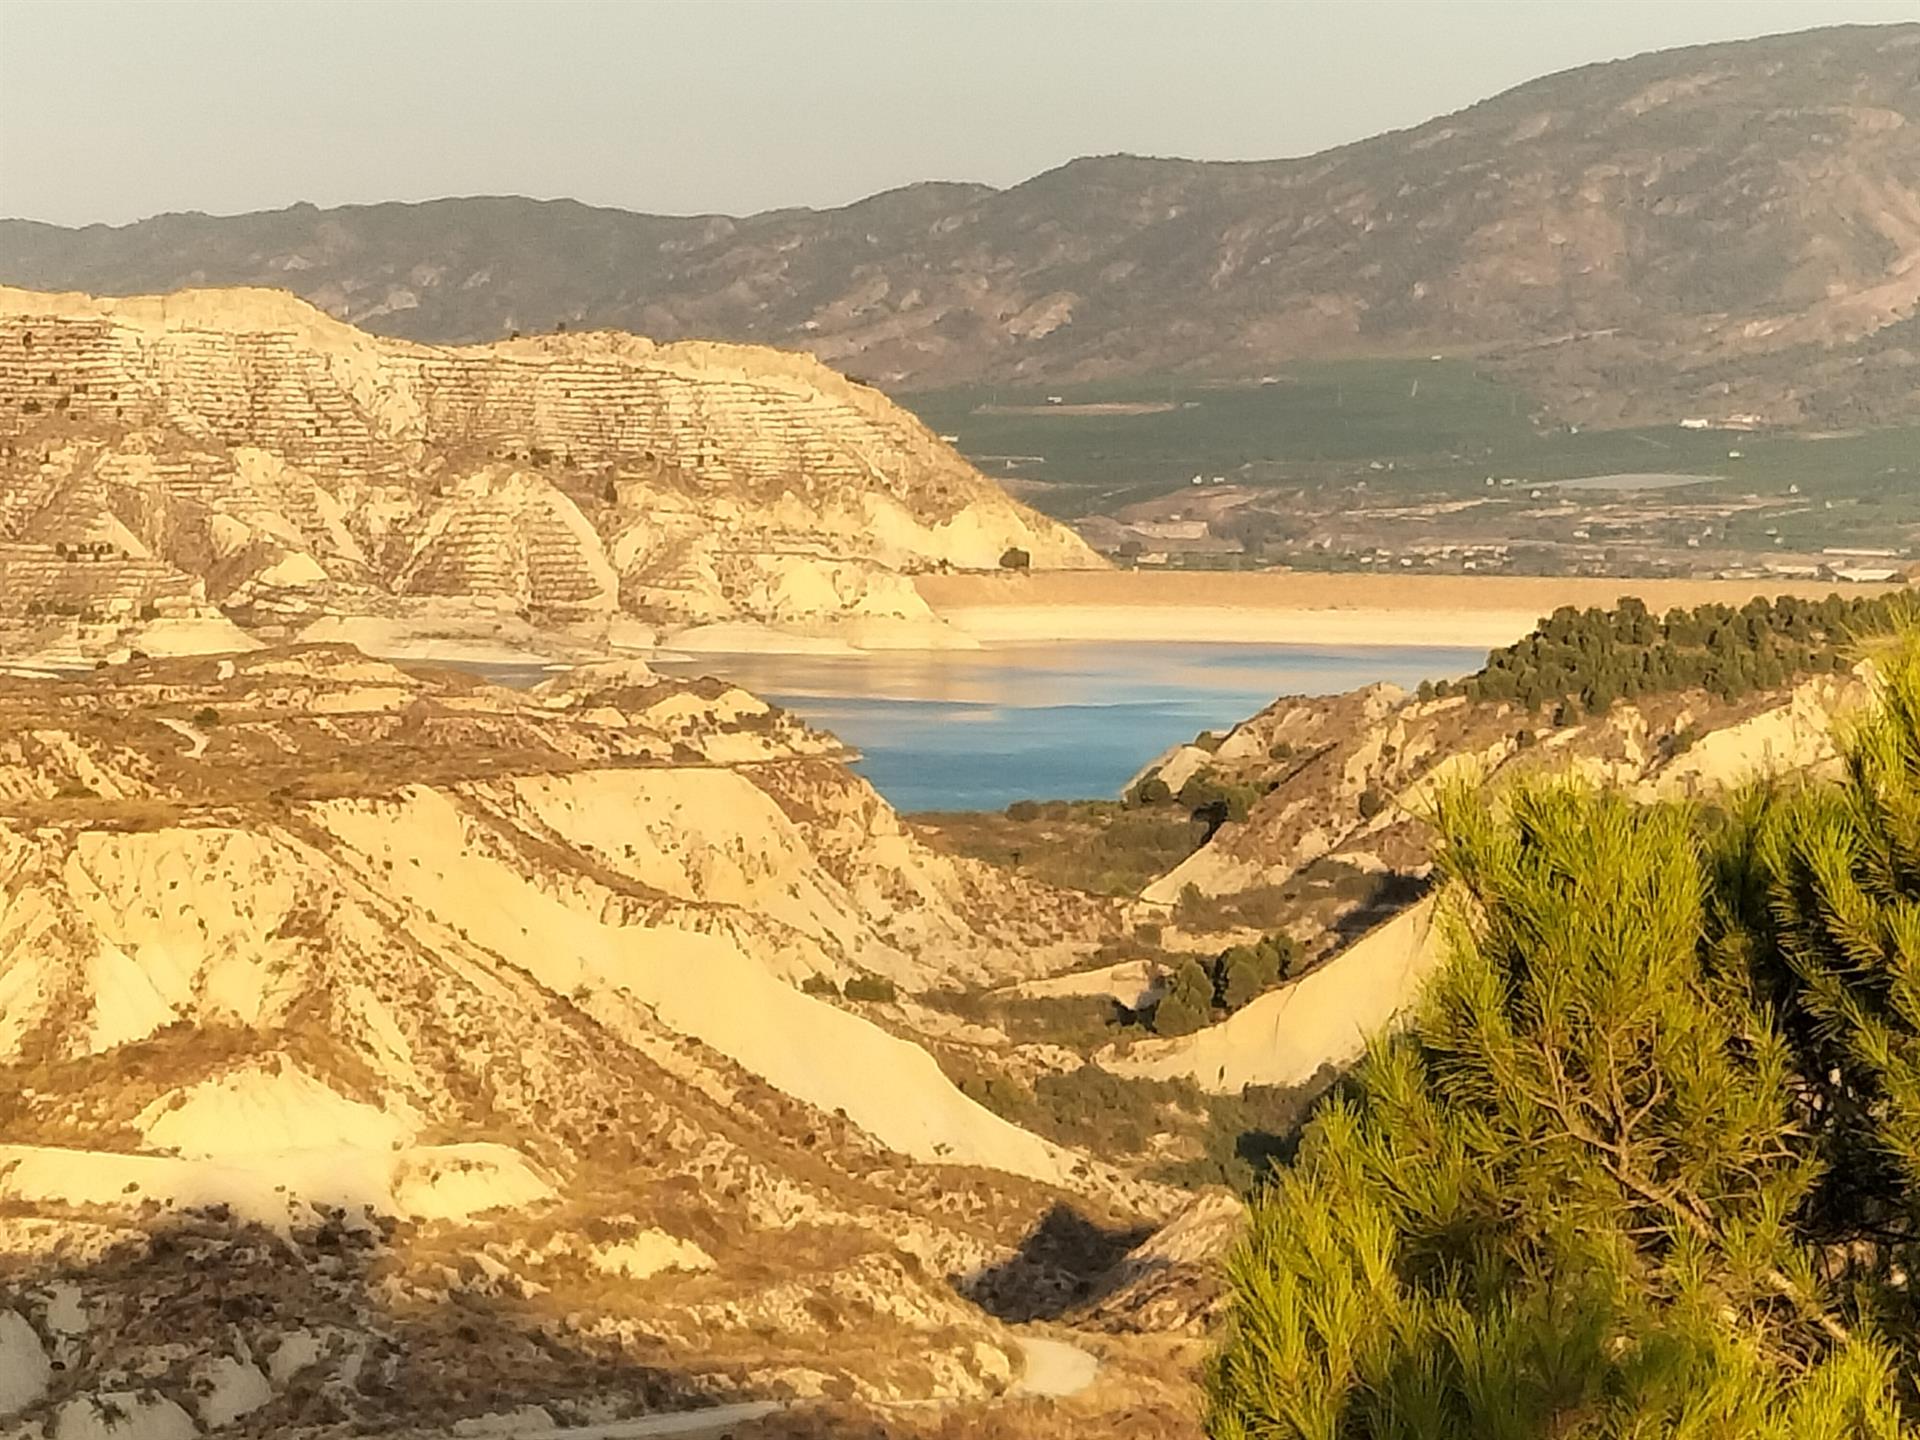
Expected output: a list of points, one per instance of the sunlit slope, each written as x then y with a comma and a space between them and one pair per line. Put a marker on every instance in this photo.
241, 453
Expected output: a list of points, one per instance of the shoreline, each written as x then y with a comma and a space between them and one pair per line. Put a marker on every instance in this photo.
1001, 612
1304, 608
997, 627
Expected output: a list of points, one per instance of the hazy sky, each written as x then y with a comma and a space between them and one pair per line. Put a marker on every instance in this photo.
112, 111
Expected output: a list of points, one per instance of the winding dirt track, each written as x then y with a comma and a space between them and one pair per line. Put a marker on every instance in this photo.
1054, 1369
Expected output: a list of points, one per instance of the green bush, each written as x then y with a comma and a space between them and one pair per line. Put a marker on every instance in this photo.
1215, 800
1151, 791
1188, 1004
875, 988
1244, 973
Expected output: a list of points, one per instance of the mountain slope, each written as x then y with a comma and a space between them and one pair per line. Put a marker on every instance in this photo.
1340, 830
241, 449
389, 1048
1736, 222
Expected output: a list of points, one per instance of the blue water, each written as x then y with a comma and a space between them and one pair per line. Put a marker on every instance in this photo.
977, 730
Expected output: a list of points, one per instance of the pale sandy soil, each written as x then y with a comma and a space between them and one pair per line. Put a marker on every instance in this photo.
1287, 1035
1054, 1368
1288, 607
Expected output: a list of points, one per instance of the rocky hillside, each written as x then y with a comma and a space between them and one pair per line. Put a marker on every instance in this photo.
1335, 846
381, 1048
1732, 226
238, 454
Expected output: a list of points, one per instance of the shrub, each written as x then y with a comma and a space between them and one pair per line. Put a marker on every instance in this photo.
1015, 559
1217, 801
206, 718
1244, 973
1188, 1004
1151, 791
875, 988
1372, 801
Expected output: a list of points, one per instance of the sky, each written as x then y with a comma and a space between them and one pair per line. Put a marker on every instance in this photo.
111, 110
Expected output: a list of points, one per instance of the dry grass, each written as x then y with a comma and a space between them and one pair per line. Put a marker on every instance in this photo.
1099, 846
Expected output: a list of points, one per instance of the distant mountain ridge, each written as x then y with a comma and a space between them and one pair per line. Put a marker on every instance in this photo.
1735, 226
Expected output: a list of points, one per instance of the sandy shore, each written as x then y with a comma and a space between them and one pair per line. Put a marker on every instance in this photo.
1286, 607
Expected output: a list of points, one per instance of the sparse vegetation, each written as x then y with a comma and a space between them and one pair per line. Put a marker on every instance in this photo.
1220, 1139
1199, 992
1081, 1023
1100, 846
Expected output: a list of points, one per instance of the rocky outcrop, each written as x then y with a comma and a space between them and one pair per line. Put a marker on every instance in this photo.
240, 450
1347, 779
1345, 787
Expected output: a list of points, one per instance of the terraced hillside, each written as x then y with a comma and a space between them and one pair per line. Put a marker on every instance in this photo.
239, 454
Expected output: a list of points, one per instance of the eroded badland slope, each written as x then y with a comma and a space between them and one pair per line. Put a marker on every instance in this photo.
1336, 847
215, 459
381, 1049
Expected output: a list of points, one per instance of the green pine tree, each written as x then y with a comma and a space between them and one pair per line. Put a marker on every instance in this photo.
1562, 1204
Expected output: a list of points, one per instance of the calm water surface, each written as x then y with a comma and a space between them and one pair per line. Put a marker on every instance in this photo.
979, 729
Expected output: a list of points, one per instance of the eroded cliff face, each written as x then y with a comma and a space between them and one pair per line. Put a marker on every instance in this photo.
1340, 837
238, 454
1346, 780
378, 1046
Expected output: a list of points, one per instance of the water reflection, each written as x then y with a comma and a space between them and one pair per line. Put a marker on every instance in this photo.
967, 730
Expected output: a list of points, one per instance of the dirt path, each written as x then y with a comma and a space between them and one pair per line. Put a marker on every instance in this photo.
196, 741
1054, 1369
708, 1424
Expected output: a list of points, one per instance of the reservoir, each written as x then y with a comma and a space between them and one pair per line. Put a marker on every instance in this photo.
979, 729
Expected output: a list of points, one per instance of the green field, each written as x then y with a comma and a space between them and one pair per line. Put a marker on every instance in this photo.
1443, 427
